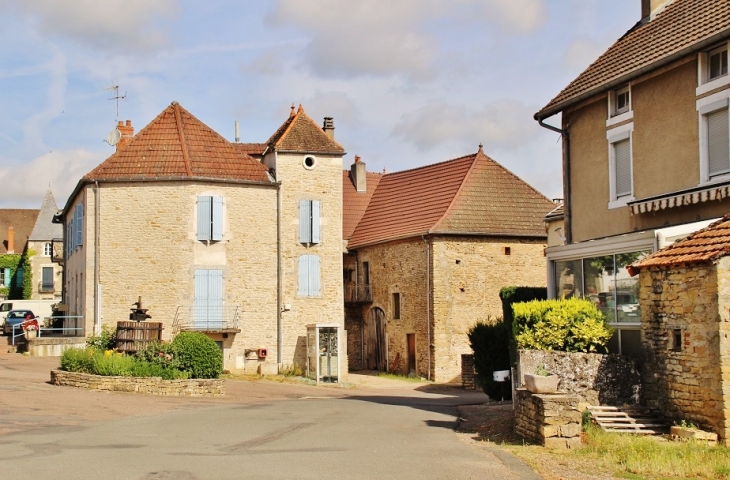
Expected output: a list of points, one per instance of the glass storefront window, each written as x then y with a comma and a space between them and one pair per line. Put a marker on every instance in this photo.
569, 279
599, 284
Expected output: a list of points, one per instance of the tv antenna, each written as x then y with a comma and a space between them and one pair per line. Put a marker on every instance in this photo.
117, 97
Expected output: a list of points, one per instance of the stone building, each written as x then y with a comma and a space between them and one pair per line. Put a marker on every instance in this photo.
16, 224
428, 250
685, 328
47, 273
247, 250
645, 153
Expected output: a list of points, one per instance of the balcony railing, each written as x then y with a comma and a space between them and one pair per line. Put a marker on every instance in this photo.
44, 287
358, 293
208, 318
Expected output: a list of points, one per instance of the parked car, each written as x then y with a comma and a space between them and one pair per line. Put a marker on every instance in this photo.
15, 317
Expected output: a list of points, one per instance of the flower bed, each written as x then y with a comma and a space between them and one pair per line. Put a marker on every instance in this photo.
198, 387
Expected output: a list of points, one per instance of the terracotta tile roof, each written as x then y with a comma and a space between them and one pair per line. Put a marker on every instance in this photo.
22, 221
250, 148
299, 133
682, 28
176, 144
355, 203
706, 245
472, 195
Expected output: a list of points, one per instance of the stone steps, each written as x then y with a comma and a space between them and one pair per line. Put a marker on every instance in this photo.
636, 420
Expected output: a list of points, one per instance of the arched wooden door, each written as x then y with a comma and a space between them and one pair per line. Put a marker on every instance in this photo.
376, 354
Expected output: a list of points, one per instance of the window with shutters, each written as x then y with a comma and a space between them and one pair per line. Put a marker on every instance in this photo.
69, 241
713, 69
309, 221
47, 278
620, 166
208, 312
309, 285
78, 229
210, 218
19, 278
714, 138
4, 277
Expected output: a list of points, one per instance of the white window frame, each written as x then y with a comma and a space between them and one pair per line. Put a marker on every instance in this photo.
703, 71
613, 136
706, 105
615, 117
47, 249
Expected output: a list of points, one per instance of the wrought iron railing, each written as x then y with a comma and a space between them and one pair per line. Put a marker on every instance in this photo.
220, 318
44, 287
358, 293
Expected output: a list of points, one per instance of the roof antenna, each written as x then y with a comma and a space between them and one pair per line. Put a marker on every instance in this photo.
116, 97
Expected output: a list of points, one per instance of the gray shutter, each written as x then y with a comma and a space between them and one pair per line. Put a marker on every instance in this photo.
718, 142
315, 221
215, 299
69, 238
19, 277
47, 277
217, 218
314, 289
79, 225
204, 211
303, 275
305, 221
622, 152
200, 299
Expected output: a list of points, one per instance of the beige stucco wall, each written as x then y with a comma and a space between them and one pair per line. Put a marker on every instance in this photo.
665, 152
692, 383
458, 280
37, 262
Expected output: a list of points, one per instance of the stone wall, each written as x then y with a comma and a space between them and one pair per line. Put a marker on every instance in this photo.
468, 374
550, 420
213, 387
52, 346
597, 379
685, 327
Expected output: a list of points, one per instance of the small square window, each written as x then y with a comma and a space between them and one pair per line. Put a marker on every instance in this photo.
622, 101
677, 340
396, 306
508, 250
717, 64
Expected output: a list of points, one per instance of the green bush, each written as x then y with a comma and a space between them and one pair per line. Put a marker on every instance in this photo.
491, 353
198, 355
106, 341
511, 295
114, 365
78, 360
572, 325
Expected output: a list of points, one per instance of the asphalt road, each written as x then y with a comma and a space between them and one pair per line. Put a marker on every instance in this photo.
259, 431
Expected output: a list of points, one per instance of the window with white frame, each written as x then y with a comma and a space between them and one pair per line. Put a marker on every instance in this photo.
620, 166
713, 69
309, 285
47, 249
210, 218
309, 221
714, 137
621, 101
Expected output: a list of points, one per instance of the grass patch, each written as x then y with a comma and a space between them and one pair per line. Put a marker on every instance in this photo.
394, 376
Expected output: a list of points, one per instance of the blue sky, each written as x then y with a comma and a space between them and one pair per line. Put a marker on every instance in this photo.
408, 82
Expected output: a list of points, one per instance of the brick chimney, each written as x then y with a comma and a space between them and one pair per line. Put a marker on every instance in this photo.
359, 174
127, 131
11, 239
329, 127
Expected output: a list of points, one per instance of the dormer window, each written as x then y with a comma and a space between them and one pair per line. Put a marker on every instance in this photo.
623, 101
717, 64
619, 106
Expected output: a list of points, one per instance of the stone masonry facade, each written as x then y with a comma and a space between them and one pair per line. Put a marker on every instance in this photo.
214, 387
685, 328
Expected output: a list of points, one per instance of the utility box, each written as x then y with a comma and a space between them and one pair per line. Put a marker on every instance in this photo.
323, 347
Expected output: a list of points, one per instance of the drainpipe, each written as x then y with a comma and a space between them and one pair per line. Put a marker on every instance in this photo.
97, 297
566, 178
279, 280
428, 303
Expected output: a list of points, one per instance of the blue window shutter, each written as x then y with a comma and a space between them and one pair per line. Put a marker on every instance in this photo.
305, 221
200, 299
217, 218
215, 298
303, 275
314, 290
315, 221
70, 237
79, 225
6, 279
19, 277
204, 211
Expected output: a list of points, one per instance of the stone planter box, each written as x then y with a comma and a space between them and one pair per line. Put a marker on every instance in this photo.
196, 387
684, 434
541, 383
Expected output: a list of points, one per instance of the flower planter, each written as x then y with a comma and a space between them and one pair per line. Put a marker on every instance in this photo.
31, 334
541, 383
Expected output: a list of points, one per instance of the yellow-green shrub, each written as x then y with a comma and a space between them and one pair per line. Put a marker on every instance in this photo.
572, 325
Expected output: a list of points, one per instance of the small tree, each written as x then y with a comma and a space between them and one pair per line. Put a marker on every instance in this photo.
490, 342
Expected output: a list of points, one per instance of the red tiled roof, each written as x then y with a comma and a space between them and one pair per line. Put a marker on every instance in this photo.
469, 195
685, 26
706, 245
22, 221
355, 203
176, 144
250, 148
299, 133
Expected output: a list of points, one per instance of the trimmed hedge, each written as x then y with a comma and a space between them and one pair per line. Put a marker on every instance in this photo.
572, 325
510, 296
489, 341
198, 355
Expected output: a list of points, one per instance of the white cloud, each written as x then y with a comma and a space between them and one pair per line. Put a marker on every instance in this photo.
499, 125
581, 52
115, 25
517, 16
24, 185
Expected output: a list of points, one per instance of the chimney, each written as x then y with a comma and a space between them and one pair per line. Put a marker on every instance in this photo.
11, 239
127, 131
650, 6
358, 172
329, 128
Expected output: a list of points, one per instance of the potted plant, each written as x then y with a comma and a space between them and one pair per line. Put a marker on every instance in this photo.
541, 381
30, 328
